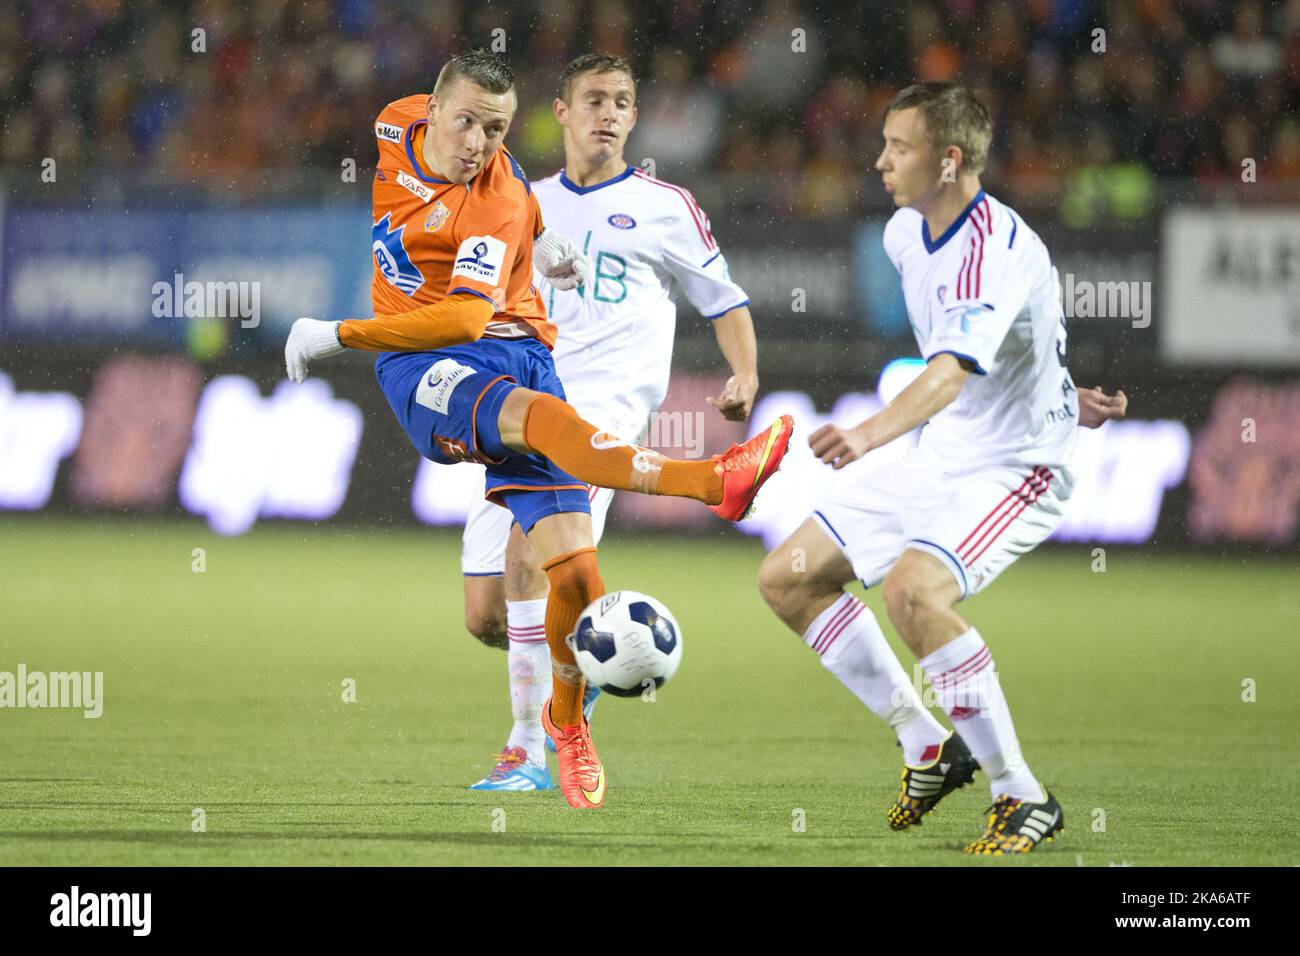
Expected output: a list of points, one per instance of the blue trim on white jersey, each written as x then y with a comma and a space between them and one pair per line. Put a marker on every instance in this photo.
573, 187
711, 258
410, 152
1014, 224
831, 528
979, 369
951, 230
719, 315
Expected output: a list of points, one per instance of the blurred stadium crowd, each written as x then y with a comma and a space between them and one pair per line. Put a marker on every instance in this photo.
1189, 89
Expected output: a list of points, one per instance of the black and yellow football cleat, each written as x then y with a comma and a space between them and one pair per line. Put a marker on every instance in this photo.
1017, 826
924, 786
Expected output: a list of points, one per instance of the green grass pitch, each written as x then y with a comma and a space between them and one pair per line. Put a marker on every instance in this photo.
223, 692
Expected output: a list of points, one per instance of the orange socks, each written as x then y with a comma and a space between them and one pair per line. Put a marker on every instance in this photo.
554, 429
575, 583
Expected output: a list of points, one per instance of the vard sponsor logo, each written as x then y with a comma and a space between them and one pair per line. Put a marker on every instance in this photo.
413, 185
103, 909
76, 690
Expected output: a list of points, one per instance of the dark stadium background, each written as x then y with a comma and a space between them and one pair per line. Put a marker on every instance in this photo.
233, 161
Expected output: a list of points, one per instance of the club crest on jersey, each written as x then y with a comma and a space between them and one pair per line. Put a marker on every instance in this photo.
436, 218
621, 220
389, 132
413, 185
480, 258
391, 258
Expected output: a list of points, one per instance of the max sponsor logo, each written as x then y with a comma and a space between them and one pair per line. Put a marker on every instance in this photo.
389, 132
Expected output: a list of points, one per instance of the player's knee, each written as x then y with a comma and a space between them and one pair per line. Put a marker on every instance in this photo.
777, 583
907, 596
576, 577
487, 625
523, 577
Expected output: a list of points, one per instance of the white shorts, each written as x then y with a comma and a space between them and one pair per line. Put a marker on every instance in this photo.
487, 529
976, 523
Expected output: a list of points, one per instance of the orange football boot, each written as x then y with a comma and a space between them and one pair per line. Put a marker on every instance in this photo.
582, 777
745, 467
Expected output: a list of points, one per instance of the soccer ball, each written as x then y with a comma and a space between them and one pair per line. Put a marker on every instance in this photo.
626, 642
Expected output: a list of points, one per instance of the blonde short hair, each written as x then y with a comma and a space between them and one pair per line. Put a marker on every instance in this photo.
953, 116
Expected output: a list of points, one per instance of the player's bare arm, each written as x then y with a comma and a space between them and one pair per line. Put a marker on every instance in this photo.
735, 333
932, 391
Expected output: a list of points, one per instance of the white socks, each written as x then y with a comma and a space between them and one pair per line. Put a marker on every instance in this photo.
962, 674
854, 649
530, 675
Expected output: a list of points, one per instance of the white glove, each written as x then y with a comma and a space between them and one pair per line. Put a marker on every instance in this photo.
560, 261
309, 339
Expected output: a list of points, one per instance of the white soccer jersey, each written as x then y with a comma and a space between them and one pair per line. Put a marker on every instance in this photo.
986, 291
615, 346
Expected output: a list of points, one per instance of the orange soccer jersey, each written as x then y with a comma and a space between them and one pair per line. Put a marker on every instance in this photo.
433, 239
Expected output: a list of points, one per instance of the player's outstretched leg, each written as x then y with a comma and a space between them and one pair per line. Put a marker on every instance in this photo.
1017, 826
536, 422
575, 582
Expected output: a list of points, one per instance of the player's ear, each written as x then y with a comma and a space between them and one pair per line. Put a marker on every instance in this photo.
432, 110
632, 125
560, 109
952, 160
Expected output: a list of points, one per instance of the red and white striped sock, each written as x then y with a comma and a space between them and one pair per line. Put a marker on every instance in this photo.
530, 675
967, 685
853, 647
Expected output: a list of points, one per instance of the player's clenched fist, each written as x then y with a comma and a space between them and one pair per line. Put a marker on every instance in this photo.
559, 260
309, 339
737, 398
837, 446
1096, 407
